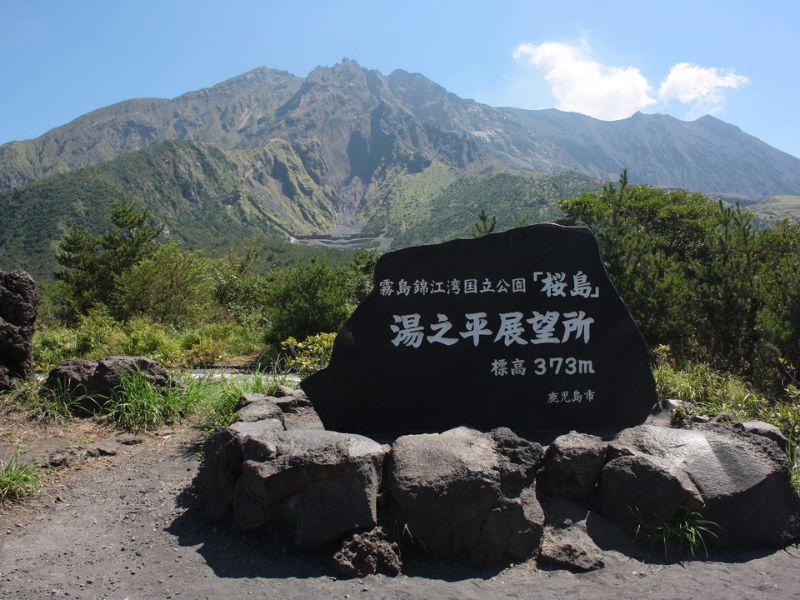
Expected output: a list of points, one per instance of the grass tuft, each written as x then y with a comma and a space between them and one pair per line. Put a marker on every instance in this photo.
215, 408
684, 531
17, 479
793, 454
140, 405
44, 404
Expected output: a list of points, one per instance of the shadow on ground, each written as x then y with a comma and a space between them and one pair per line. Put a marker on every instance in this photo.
267, 553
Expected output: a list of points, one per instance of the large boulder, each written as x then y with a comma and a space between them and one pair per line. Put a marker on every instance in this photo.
93, 382
319, 484
742, 479
18, 306
467, 495
572, 466
640, 488
766, 430
525, 330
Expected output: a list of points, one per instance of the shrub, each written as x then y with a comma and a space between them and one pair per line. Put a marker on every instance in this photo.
306, 300
206, 344
712, 391
709, 390
98, 334
310, 355
171, 287
145, 338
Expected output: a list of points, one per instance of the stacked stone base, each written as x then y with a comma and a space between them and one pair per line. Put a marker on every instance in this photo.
492, 498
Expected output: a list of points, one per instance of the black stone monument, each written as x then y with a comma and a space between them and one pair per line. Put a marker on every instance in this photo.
521, 329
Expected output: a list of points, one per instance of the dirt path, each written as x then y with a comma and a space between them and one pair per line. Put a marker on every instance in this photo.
124, 528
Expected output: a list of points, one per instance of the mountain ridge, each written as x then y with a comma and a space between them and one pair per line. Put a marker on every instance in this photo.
244, 111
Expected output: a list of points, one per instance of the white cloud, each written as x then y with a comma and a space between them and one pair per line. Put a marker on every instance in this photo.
583, 85
699, 86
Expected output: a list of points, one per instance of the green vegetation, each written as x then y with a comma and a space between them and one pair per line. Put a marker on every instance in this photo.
310, 355
140, 405
701, 279
209, 403
97, 334
204, 196
17, 479
94, 265
123, 292
683, 531
484, 225
712, 392
311, 298
450, 212
717, 299
793, 454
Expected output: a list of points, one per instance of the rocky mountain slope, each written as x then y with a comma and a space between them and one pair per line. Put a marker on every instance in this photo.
347, 149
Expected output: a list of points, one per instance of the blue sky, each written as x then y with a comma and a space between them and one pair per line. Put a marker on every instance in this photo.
737, 60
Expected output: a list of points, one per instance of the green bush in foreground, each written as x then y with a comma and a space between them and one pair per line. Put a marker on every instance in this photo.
17, 479
97, 334
310, 355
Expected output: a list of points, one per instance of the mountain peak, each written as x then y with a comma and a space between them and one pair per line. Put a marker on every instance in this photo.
345, 111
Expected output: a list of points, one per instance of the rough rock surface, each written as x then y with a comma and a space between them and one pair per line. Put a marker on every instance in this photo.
638, 487
368, 553
255, 407
297, 393
766, 430
467, 495
94, 381
320, 484
18, 306
572, 466
742, 479
567, 543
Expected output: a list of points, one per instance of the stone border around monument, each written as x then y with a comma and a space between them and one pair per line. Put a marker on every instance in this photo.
493, 498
